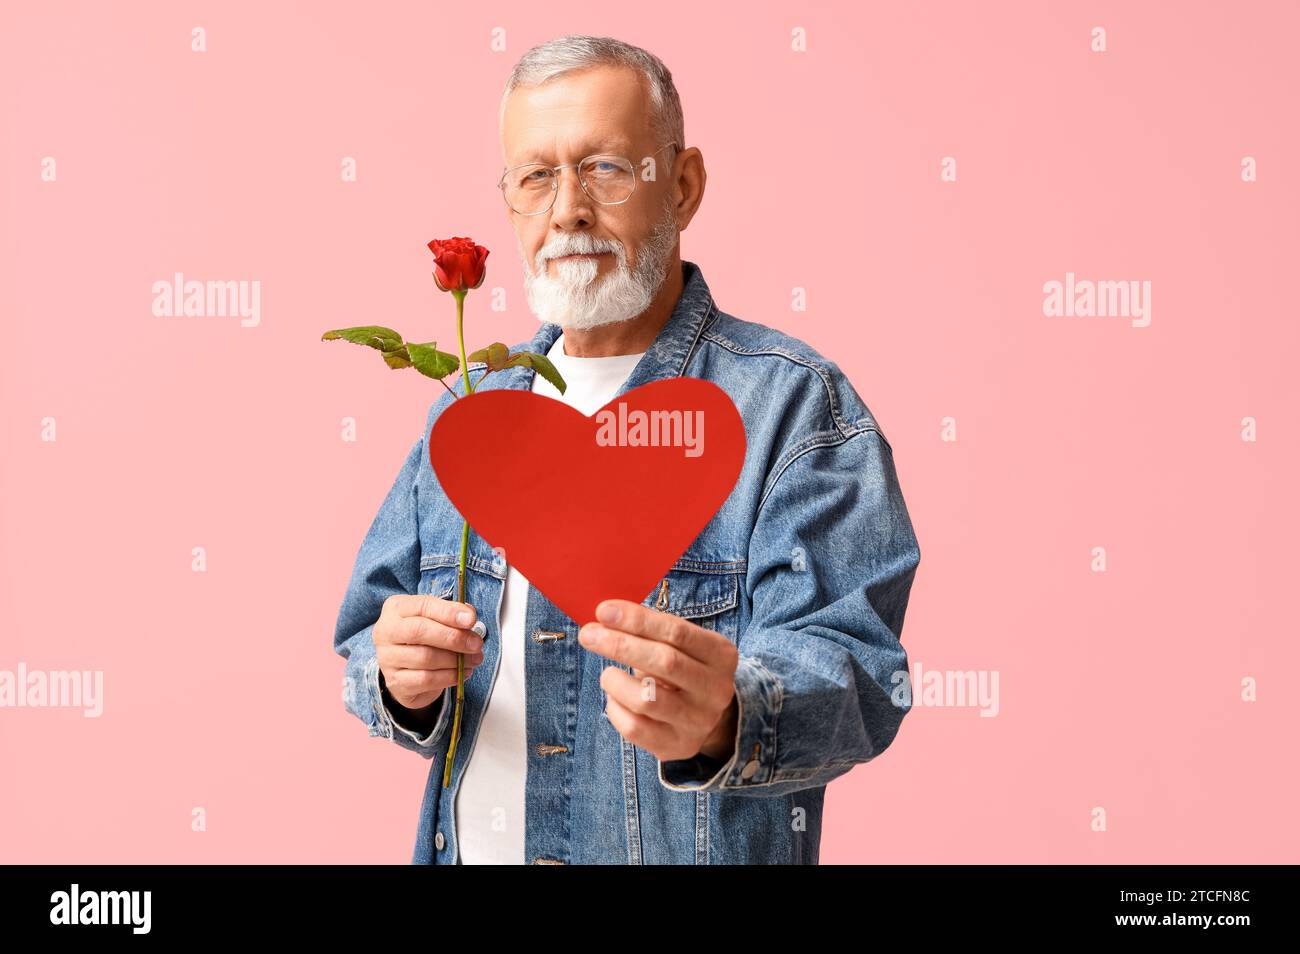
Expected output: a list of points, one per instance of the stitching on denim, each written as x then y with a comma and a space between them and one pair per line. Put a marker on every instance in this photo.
797, 775
812, 443
709, 608
845, 429
706, 566
710, 314
377, 698
436, 561
767, 679
631, 801
701, 827
776, 713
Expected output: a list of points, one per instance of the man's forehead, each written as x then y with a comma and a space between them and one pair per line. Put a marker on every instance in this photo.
563, 120
545, 145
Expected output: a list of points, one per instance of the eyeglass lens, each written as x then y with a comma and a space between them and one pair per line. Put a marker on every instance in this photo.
607, 179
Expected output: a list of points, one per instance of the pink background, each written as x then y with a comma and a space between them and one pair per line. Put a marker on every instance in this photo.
1119, 690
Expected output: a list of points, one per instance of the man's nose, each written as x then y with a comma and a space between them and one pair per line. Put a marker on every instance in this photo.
573, 206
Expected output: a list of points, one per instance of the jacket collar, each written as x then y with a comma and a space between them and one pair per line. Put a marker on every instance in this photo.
667, 355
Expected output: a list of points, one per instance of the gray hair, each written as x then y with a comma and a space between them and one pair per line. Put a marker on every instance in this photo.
567, 54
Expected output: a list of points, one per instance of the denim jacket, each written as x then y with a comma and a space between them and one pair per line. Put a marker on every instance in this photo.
807, 567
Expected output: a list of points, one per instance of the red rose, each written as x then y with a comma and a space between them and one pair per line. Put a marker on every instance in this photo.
458, 263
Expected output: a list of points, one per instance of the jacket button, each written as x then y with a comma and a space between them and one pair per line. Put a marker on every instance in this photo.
750, 768
439, 841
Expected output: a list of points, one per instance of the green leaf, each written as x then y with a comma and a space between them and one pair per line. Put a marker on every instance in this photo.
425, 358
497, 357
378, 337
539, 363
397, 358
375, 336
431, 362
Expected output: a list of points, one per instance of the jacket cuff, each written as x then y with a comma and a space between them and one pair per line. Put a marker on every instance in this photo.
386, 719
753, 760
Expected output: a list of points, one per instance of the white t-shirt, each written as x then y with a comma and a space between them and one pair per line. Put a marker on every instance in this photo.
490, 802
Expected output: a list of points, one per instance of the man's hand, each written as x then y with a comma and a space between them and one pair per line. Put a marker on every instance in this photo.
681, 700
417, 640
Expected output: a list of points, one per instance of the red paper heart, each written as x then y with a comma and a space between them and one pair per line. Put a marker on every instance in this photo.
585, 521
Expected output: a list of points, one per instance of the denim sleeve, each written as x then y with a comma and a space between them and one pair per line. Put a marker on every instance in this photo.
388, 563
831, 563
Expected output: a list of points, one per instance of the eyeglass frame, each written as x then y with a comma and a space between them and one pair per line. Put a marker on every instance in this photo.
555, 180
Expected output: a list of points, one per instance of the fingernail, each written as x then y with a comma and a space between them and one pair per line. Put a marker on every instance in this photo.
464, 618
474, 643
479, 628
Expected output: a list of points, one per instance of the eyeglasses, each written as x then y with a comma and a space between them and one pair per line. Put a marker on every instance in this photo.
530, 189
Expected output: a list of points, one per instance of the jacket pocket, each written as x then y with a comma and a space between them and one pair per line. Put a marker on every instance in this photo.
440, 582
706, 597
438, 576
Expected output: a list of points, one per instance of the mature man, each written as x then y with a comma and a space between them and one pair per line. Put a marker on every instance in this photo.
773, 643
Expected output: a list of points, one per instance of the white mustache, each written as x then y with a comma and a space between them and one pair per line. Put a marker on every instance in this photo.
546, 254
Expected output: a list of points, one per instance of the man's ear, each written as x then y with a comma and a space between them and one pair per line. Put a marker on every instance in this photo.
689, 186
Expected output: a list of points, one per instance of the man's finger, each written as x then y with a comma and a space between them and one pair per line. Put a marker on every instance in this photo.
660, 659
697, 642
636, 696
422, 631
658, 738
435, 608
405, 656
412, 681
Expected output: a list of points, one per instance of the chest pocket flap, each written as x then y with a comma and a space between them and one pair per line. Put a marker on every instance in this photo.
692, 594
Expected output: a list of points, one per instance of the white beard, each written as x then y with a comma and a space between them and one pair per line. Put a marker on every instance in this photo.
576, 299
